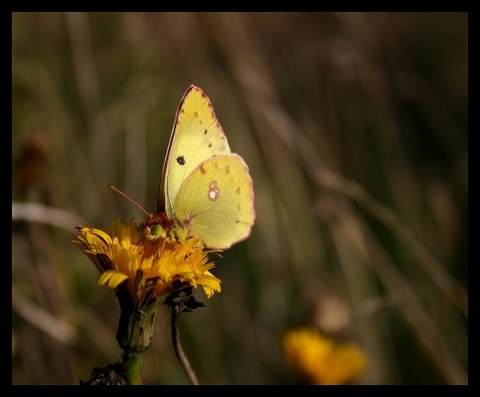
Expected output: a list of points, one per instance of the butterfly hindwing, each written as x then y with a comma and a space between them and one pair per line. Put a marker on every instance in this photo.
216, 201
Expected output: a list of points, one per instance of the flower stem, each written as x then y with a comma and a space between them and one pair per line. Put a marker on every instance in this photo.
135, 332
133, 367
179, 350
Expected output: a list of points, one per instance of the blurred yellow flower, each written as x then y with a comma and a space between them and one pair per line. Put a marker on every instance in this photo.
150, 267
319, 360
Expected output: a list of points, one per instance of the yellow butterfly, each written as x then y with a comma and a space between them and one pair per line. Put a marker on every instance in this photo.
206, 190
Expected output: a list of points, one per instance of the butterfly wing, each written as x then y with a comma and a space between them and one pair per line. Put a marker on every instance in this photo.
215, 202
196, 136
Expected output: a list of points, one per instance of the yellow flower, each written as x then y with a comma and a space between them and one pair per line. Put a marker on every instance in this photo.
319, 360
147, 266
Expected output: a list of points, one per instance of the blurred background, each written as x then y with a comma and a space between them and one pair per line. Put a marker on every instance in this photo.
354, 126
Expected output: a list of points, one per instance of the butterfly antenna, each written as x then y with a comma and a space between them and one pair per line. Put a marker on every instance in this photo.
131, 200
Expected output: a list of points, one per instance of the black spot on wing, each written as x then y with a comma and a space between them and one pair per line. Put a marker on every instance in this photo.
181, 160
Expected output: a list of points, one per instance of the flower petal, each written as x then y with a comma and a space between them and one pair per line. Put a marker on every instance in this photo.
113, 278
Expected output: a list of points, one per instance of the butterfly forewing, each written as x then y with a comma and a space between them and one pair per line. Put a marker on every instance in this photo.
196, 136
